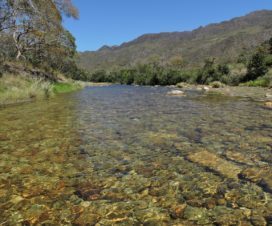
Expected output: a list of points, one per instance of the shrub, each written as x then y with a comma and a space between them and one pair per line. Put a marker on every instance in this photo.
127, 76
261, 82
208, 73
216, 84
256, 67
223, 69
99, 76
268, 60
270, 45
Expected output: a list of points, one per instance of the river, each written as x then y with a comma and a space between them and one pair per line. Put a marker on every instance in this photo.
126, 155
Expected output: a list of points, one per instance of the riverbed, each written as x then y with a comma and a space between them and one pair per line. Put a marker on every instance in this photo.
126, 155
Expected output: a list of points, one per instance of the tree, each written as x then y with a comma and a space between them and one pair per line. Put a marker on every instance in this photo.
223, 69
67, 7
270, 45
208, 73
34, 25
5, 15
256, 66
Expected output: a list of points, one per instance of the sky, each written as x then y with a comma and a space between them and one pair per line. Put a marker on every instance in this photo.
112, 22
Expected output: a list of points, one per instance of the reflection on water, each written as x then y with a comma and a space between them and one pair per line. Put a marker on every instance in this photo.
123, 155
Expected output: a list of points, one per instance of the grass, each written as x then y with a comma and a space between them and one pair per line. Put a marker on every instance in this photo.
265, 81
66, 87
16, 89
256, 83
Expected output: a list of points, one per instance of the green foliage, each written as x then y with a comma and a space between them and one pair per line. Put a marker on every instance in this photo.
216, 84
223, 69
143, 74
242, 59
268, 60
127, 76
260, 82
32, 32
212, 72
270, 45
231, 79
99, 76
65, 87
256, 66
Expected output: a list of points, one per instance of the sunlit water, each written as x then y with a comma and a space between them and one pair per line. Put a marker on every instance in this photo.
124, 155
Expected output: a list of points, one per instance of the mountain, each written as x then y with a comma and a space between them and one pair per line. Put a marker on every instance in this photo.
224, 41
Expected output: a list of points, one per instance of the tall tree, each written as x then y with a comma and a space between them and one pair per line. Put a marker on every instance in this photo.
35, 25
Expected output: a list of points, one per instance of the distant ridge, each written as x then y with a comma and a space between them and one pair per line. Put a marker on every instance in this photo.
225, 41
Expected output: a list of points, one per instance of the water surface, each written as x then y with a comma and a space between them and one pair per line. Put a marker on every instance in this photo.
124, 155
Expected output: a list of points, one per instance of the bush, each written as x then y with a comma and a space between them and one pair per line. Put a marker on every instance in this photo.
216, 84
268, 60
261, 82
99, 76
233, 79
211, 72
264, 81
270, 45
127, 76
223, 69
256, 67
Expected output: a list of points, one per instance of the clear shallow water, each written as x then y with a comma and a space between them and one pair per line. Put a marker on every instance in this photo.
123, 155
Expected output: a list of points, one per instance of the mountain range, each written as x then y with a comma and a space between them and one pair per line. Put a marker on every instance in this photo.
224, 41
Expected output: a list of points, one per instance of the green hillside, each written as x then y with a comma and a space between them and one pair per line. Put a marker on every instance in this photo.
224, 41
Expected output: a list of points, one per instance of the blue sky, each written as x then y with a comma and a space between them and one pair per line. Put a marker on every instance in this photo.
112, 22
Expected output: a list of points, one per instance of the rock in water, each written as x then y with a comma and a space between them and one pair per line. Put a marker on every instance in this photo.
260, 176
268, 96
238, 157
206, 88
215, 163
176, 93
268, 104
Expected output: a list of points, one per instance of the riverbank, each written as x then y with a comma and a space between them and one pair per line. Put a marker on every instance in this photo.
255, 93
15, 89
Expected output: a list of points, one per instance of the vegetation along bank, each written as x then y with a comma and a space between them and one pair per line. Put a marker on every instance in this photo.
252, 68
37, 54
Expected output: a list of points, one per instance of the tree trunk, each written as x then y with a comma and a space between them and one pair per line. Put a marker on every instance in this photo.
19, 54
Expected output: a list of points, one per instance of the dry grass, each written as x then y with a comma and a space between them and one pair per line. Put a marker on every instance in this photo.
14, 89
